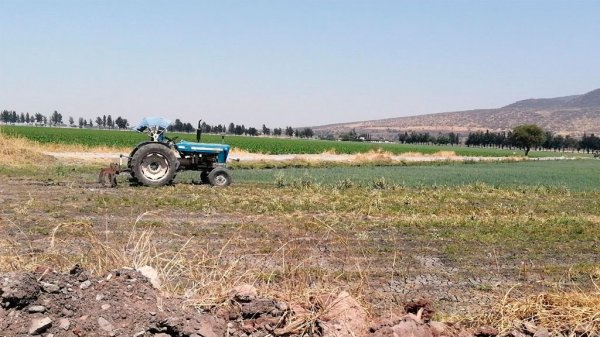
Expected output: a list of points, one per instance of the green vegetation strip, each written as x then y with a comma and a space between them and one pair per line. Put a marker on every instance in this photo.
579, 175
571, 175
114, 138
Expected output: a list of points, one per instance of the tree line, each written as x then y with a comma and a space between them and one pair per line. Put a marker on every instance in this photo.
545, 140
426, 138
56, 119
523, 137
241, 129
108, 122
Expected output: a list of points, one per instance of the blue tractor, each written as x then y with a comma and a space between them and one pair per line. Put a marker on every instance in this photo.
157, 161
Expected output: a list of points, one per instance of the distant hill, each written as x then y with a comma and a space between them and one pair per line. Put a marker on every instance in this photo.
572, 115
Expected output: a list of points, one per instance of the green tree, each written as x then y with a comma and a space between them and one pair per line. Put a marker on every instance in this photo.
122, 123
528, 136
56, 118
265, 130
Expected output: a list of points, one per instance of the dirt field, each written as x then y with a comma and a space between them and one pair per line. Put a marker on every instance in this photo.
469, 249
387, 265
384, 246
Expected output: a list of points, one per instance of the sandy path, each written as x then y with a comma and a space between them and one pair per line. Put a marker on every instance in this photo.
253, 157
87, 157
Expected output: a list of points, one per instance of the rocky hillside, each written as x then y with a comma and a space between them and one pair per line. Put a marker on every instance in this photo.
572, 115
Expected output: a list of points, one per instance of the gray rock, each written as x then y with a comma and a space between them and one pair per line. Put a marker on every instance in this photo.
50, 287
36, 308
39, 325
85, 285
151, 274
105, 325
105, 306
67, 312
64, 324
243, 293
258, 307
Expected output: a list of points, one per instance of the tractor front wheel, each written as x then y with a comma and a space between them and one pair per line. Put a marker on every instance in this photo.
154, 164
220, 177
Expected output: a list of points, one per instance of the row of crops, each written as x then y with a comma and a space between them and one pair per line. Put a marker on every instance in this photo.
120, 139
575, 175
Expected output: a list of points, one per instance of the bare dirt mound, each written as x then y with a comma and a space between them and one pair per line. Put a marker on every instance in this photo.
122, 303
126, 303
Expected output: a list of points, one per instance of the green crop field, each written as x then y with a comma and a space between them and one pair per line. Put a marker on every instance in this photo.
577, 175
114, 138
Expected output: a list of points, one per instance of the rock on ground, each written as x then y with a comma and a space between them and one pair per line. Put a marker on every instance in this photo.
344, 317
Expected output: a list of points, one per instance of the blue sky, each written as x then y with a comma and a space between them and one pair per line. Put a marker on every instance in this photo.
291, 62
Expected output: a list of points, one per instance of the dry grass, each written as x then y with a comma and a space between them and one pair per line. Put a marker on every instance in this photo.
237, 152
204, 276
443, 154
379, 156
20, 151
568, 312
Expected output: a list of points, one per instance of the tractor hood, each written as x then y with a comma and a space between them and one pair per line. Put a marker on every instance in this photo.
222, 150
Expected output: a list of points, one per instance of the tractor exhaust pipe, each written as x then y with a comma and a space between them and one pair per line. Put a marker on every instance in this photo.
199, 131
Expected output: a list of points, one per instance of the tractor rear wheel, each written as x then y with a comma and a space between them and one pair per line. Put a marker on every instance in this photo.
220, 177
154, 164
